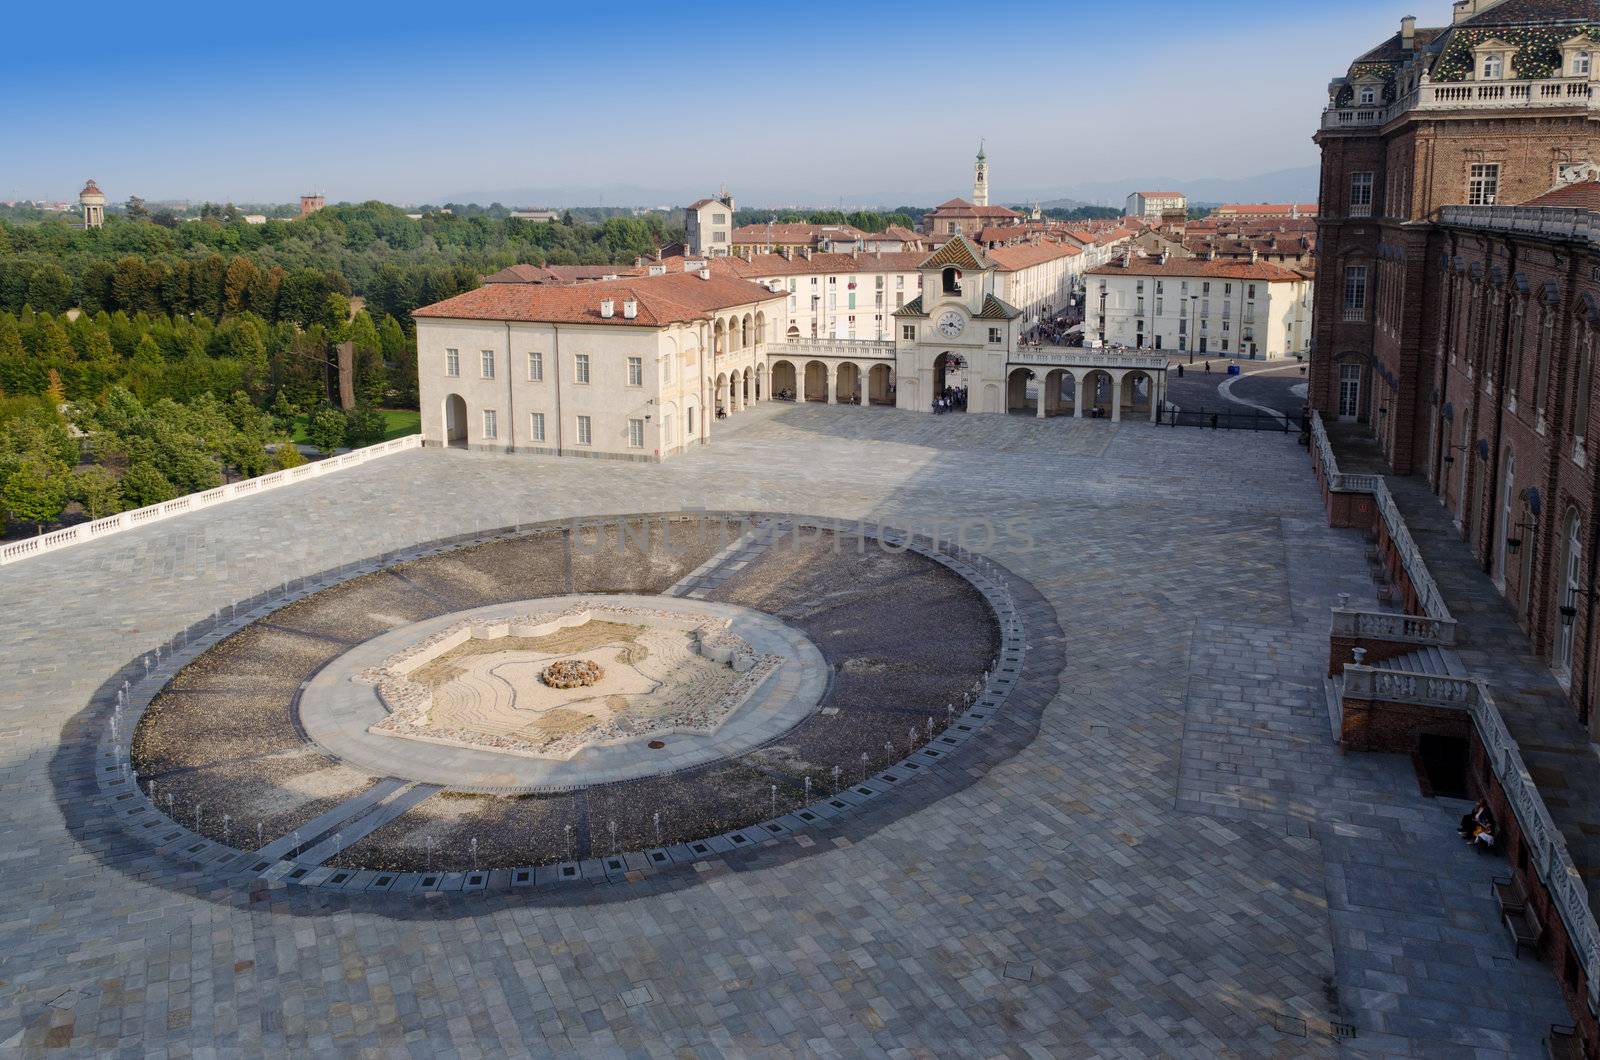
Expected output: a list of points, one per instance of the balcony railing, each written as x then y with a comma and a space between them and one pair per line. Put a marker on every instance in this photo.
1468, 95
1553, 221
1354, 314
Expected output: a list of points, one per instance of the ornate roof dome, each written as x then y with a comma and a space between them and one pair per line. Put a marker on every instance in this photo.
91, 191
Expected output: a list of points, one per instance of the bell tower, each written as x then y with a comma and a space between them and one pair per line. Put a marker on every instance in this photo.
980, 179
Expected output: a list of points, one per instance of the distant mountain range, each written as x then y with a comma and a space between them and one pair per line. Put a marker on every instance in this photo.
1286, 185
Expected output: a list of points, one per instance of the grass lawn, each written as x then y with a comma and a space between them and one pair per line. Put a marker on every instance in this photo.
397, 424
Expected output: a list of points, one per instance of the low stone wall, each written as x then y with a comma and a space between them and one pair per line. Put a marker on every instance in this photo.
1371, 725
1341, 650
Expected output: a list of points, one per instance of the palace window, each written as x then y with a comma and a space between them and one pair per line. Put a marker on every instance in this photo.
535, 367
491, 428
1483, 184
635, 371
1361, 195
452, 363
487, 365
1581, 64
1355, 292
995, 336
908, 332
636, 434
585, 431
1493, 67
536, 426
1369, 95
580, 368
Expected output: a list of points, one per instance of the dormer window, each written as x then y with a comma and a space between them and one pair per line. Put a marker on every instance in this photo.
1491, 60
1577, 56
1581, 63
1368, 95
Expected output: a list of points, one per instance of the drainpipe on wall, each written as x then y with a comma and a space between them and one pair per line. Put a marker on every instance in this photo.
511, 399
561, 419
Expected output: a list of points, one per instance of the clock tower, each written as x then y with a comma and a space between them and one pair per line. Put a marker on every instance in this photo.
956, 333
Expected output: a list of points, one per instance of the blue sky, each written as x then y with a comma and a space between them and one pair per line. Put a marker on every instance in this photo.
783, 102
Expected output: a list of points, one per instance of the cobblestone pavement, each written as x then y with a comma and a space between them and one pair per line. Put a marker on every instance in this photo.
1173, 861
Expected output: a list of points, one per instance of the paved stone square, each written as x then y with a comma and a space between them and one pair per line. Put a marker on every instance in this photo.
1170, 859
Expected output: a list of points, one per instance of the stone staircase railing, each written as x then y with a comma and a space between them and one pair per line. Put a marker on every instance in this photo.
116, 524
1550, 859
1435, 625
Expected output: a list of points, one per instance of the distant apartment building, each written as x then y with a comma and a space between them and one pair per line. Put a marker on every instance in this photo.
1156, 204
774, 237
1222, 308
1262, 211
708, 226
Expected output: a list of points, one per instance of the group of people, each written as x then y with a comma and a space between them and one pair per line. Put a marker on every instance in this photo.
951, 399
1478, 827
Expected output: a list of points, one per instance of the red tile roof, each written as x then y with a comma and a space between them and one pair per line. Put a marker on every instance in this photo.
1014, 259
793, 233
560, 273
1583, 195
1268, 209
671, 299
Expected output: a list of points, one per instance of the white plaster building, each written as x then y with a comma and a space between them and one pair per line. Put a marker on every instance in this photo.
640, 367
708, 226
1224, 308
627, 369
1155, 204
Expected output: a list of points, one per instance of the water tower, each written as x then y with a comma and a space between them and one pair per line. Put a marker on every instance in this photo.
93, 201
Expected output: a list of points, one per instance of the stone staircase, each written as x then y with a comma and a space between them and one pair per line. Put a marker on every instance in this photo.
1429, 660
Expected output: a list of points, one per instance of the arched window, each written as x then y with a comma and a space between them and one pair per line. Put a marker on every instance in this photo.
1580, 64
1494, 66
1541, 382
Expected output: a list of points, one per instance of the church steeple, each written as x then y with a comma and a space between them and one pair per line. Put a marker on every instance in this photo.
980, 180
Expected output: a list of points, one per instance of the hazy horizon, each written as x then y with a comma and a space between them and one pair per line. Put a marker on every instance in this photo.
370, 103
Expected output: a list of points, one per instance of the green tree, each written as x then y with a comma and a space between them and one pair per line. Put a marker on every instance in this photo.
97, 490
364, 427
326, 430
287, 455
142, 486
36, 491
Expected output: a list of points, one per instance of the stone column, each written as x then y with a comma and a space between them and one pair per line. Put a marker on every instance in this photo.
1116, 397
1155, 398
832, 384
1081, 384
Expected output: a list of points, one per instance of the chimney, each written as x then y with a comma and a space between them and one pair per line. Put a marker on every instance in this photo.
1127, 257
630, 310
705, 274
1408, 33
807, 253
1254, 256
608, 308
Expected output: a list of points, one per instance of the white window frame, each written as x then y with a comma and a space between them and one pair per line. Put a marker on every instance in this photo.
580, 368
535, 366
1483, 183
486, 364
491, 425
452, 363
635, 434
536, 426
636, 371
585, 430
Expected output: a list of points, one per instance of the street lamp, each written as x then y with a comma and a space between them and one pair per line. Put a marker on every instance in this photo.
1514, 544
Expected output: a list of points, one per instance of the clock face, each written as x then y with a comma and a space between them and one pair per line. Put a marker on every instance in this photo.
952, 324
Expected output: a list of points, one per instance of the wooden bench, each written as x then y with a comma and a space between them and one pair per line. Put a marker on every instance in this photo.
1563, 1043
1509, 895
1525, 929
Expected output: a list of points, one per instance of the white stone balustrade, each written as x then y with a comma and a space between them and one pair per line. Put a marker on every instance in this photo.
116, 524
1467, 95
